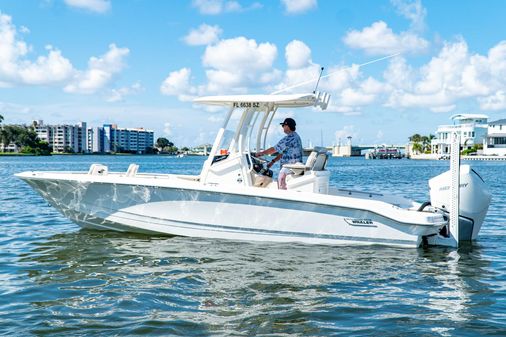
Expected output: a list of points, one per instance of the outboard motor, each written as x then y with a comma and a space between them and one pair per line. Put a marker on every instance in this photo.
474, 200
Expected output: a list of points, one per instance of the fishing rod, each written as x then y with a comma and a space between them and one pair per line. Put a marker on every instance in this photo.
332, 73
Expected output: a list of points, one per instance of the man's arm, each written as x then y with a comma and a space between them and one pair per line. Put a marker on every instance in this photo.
270, 150
278, 157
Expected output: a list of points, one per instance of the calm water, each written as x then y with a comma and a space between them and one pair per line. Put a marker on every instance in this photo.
58, 280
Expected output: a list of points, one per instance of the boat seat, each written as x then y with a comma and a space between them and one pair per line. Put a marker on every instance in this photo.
320, 162
316, 161
132, 170
98, 169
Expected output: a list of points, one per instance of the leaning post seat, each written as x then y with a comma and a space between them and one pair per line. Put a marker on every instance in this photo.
316, 161
312, 176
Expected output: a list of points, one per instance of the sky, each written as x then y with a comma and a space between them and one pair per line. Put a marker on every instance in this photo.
140, 63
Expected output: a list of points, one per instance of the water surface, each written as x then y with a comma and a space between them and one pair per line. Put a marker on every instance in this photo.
59, 280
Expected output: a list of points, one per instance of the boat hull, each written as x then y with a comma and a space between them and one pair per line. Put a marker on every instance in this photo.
216, 214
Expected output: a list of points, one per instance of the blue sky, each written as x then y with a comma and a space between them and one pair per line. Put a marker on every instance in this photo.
139, 63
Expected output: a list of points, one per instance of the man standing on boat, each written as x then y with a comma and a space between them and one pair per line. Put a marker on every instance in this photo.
289, 150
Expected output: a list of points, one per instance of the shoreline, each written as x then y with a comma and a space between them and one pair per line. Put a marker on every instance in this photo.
436, 157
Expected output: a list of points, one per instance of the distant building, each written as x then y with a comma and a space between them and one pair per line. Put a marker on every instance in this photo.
63, 137
80, 139
495, 143
471, 127
96, 140
136, 140
201, 150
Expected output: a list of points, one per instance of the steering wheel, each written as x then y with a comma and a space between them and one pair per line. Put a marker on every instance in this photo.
258, 159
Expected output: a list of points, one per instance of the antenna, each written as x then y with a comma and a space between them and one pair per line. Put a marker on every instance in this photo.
333, 73
318, 82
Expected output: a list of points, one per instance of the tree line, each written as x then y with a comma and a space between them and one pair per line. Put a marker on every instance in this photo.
24, 138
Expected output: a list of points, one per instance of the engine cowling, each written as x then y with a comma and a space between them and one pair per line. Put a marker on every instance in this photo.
473, 194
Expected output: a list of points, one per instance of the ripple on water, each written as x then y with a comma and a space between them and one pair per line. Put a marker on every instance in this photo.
58, 280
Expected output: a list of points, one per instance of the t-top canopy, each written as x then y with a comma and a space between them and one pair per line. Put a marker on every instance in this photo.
258, 101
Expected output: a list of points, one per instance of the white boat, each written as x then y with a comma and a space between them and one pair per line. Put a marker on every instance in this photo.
234, 196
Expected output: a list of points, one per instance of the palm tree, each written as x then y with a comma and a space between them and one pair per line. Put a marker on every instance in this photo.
1, 118
417, 147
416, 138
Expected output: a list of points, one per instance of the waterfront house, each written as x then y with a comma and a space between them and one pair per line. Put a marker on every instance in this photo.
495, 143
471, 127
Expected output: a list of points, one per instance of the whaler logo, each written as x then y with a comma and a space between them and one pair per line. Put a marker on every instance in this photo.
446, 188
360, 222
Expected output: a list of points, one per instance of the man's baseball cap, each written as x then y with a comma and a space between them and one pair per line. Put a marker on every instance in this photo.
289, 121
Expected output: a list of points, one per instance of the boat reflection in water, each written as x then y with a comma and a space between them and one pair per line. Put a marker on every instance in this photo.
132, 282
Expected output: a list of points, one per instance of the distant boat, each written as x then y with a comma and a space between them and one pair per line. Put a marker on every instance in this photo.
181, 155
384, 153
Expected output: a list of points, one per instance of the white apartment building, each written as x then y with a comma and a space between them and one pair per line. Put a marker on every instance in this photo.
96, 140
106, 139
495, 143
471, 127
136, 140
64, 137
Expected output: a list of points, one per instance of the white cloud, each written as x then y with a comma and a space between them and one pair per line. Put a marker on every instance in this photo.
232, 54
449, 77
343, 134
447, 108
445, 70
215, 7
204, 35
300, 68
16, 68
399, 74
371, 86
100, 71
497, 101
434, 101
413, 11
118, 95
238, 63
98, 6
297, 54
379, 39
342, 77
351, 97
334, 107
12, 110
53, 68
298, 6
178, 84
167, 129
